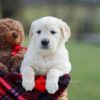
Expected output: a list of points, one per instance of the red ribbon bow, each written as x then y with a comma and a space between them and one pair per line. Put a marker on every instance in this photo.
16, 49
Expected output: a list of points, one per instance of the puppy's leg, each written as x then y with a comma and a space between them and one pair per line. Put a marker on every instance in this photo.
27, 71
52, 80
28, 78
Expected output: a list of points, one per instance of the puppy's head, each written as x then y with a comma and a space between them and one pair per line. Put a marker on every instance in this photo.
48, 33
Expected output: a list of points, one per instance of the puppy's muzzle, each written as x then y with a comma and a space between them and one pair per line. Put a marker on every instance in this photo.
45, 44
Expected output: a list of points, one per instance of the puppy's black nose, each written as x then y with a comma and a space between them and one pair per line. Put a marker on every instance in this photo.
45, 42
14, 34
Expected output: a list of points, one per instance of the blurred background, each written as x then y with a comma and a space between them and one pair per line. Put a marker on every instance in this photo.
83, 17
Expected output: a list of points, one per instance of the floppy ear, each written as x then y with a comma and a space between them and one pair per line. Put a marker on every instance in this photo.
65, 30
30, 32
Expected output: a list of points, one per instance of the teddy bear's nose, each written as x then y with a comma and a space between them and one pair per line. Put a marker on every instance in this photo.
14, 34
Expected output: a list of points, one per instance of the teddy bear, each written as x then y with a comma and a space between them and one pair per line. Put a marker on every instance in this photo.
11, 50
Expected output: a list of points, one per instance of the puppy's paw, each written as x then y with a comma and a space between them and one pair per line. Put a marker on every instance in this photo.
28, 85
52, 86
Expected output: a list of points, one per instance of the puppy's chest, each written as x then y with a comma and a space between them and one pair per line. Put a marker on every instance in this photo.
42, 66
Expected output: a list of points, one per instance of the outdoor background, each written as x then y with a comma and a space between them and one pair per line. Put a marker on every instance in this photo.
83, 17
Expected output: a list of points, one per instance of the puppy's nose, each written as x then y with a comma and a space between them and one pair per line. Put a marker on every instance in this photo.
14, 34
45, 42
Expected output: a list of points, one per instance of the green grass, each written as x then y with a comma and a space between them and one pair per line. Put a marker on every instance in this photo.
85, 82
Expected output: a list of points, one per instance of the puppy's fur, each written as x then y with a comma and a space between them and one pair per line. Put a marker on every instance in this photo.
49, 58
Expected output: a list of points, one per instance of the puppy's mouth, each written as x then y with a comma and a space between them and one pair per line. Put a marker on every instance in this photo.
45, 47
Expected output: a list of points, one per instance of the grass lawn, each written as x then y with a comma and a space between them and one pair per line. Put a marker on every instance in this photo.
85, 82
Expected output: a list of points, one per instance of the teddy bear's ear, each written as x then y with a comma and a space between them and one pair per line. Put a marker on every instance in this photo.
65, 30
3, 29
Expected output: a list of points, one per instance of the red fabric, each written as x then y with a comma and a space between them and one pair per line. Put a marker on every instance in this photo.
11, 88
2, 91
16, 49
40, 84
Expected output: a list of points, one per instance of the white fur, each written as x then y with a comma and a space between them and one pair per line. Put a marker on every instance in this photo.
53, 61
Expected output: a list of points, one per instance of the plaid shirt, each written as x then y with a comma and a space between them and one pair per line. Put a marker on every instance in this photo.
11, 88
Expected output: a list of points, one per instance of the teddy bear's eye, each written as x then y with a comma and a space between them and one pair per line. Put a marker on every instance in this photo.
53, 32
39, 32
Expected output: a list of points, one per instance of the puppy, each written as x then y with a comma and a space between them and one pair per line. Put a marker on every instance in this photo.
46, 54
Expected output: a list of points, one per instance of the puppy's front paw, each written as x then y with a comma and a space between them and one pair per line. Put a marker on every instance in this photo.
51, 86
28, 85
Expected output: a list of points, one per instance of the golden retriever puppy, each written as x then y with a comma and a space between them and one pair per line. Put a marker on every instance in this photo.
46, 54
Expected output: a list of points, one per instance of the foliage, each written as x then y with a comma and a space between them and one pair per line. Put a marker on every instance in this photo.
80, 18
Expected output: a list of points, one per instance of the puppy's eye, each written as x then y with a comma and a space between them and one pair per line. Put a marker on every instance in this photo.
53, 32
39, 32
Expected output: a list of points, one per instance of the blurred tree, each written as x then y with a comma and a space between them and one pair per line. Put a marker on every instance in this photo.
9, 7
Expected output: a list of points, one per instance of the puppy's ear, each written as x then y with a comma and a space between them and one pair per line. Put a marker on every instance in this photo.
65, 30
30, 32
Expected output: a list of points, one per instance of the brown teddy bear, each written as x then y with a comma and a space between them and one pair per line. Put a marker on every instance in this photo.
11, 38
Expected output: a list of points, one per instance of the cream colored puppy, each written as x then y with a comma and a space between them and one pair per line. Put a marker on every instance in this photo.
46, 54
